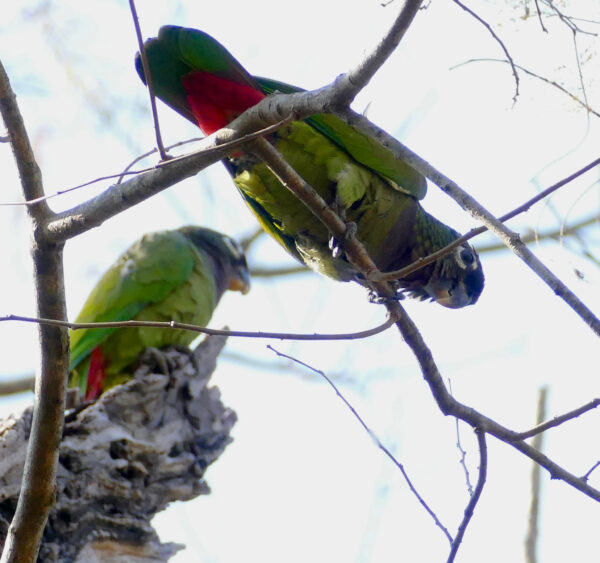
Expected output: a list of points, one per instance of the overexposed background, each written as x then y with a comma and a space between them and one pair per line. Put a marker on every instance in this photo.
302, 481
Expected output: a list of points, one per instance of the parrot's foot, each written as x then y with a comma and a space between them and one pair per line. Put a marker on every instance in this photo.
336, 245
380, 300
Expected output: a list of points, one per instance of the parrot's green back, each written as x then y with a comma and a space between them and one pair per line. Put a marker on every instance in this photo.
357, 176
163, 276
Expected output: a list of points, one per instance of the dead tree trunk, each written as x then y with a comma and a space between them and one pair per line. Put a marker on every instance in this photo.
125, 457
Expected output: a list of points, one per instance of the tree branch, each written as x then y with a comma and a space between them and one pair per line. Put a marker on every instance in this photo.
558, 420
476, 210
17, 385
375, 439
43, 321
37, 493
474, 497
349, 84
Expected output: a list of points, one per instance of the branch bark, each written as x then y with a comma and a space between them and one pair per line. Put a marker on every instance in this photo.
39, 475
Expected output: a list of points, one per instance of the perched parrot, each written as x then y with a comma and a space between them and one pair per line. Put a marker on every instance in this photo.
168, 275
197, 77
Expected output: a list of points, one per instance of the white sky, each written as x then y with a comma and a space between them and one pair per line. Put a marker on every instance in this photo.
302, 481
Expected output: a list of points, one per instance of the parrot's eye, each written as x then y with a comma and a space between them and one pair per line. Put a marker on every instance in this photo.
467, 256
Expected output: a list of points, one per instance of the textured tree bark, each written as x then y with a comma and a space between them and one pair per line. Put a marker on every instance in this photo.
125, 457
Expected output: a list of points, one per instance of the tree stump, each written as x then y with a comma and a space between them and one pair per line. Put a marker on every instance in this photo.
123, 458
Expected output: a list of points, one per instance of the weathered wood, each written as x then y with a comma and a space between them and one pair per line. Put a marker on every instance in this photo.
125, 457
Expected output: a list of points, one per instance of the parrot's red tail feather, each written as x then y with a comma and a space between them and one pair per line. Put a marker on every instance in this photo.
216, 101
96, 375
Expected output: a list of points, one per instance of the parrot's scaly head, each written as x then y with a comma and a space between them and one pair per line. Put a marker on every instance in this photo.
457, 279
227, 255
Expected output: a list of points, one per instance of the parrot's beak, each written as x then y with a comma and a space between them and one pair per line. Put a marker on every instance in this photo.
240, 282
453, 298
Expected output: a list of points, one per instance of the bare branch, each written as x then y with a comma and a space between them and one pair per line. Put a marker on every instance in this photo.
247, 241
567, 20
117, 198
539, 15
562, 232
148, 76
349, 84
476, 210
474, 497
451, 407
499, 41
587, 475
29, 171
558, 420
17, 385
203, 330
38, 486
463, 453
265, 272
373, 437
574, 97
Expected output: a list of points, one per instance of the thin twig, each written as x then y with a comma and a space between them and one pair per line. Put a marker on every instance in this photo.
37, 200
148, 77
539, 14
424, 261
587, 475
474, 497
264, 272
373, 437
558, 420
498, 40
552, 83
463, 453
126, 172
203, 330
151, 152
562, 232
247, 241
534, 509
567, 20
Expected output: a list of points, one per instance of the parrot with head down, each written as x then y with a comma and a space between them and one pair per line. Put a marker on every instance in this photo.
379, 194
175, 275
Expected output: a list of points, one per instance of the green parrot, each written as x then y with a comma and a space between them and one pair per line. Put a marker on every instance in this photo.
175, 275
197, 77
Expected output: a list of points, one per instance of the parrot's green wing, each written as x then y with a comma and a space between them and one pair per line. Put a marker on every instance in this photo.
146, 273
361, 147
361, 179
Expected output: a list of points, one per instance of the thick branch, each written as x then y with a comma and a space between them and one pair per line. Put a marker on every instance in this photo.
120, 197
29, 171
39, 475
37, 493
450, 406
